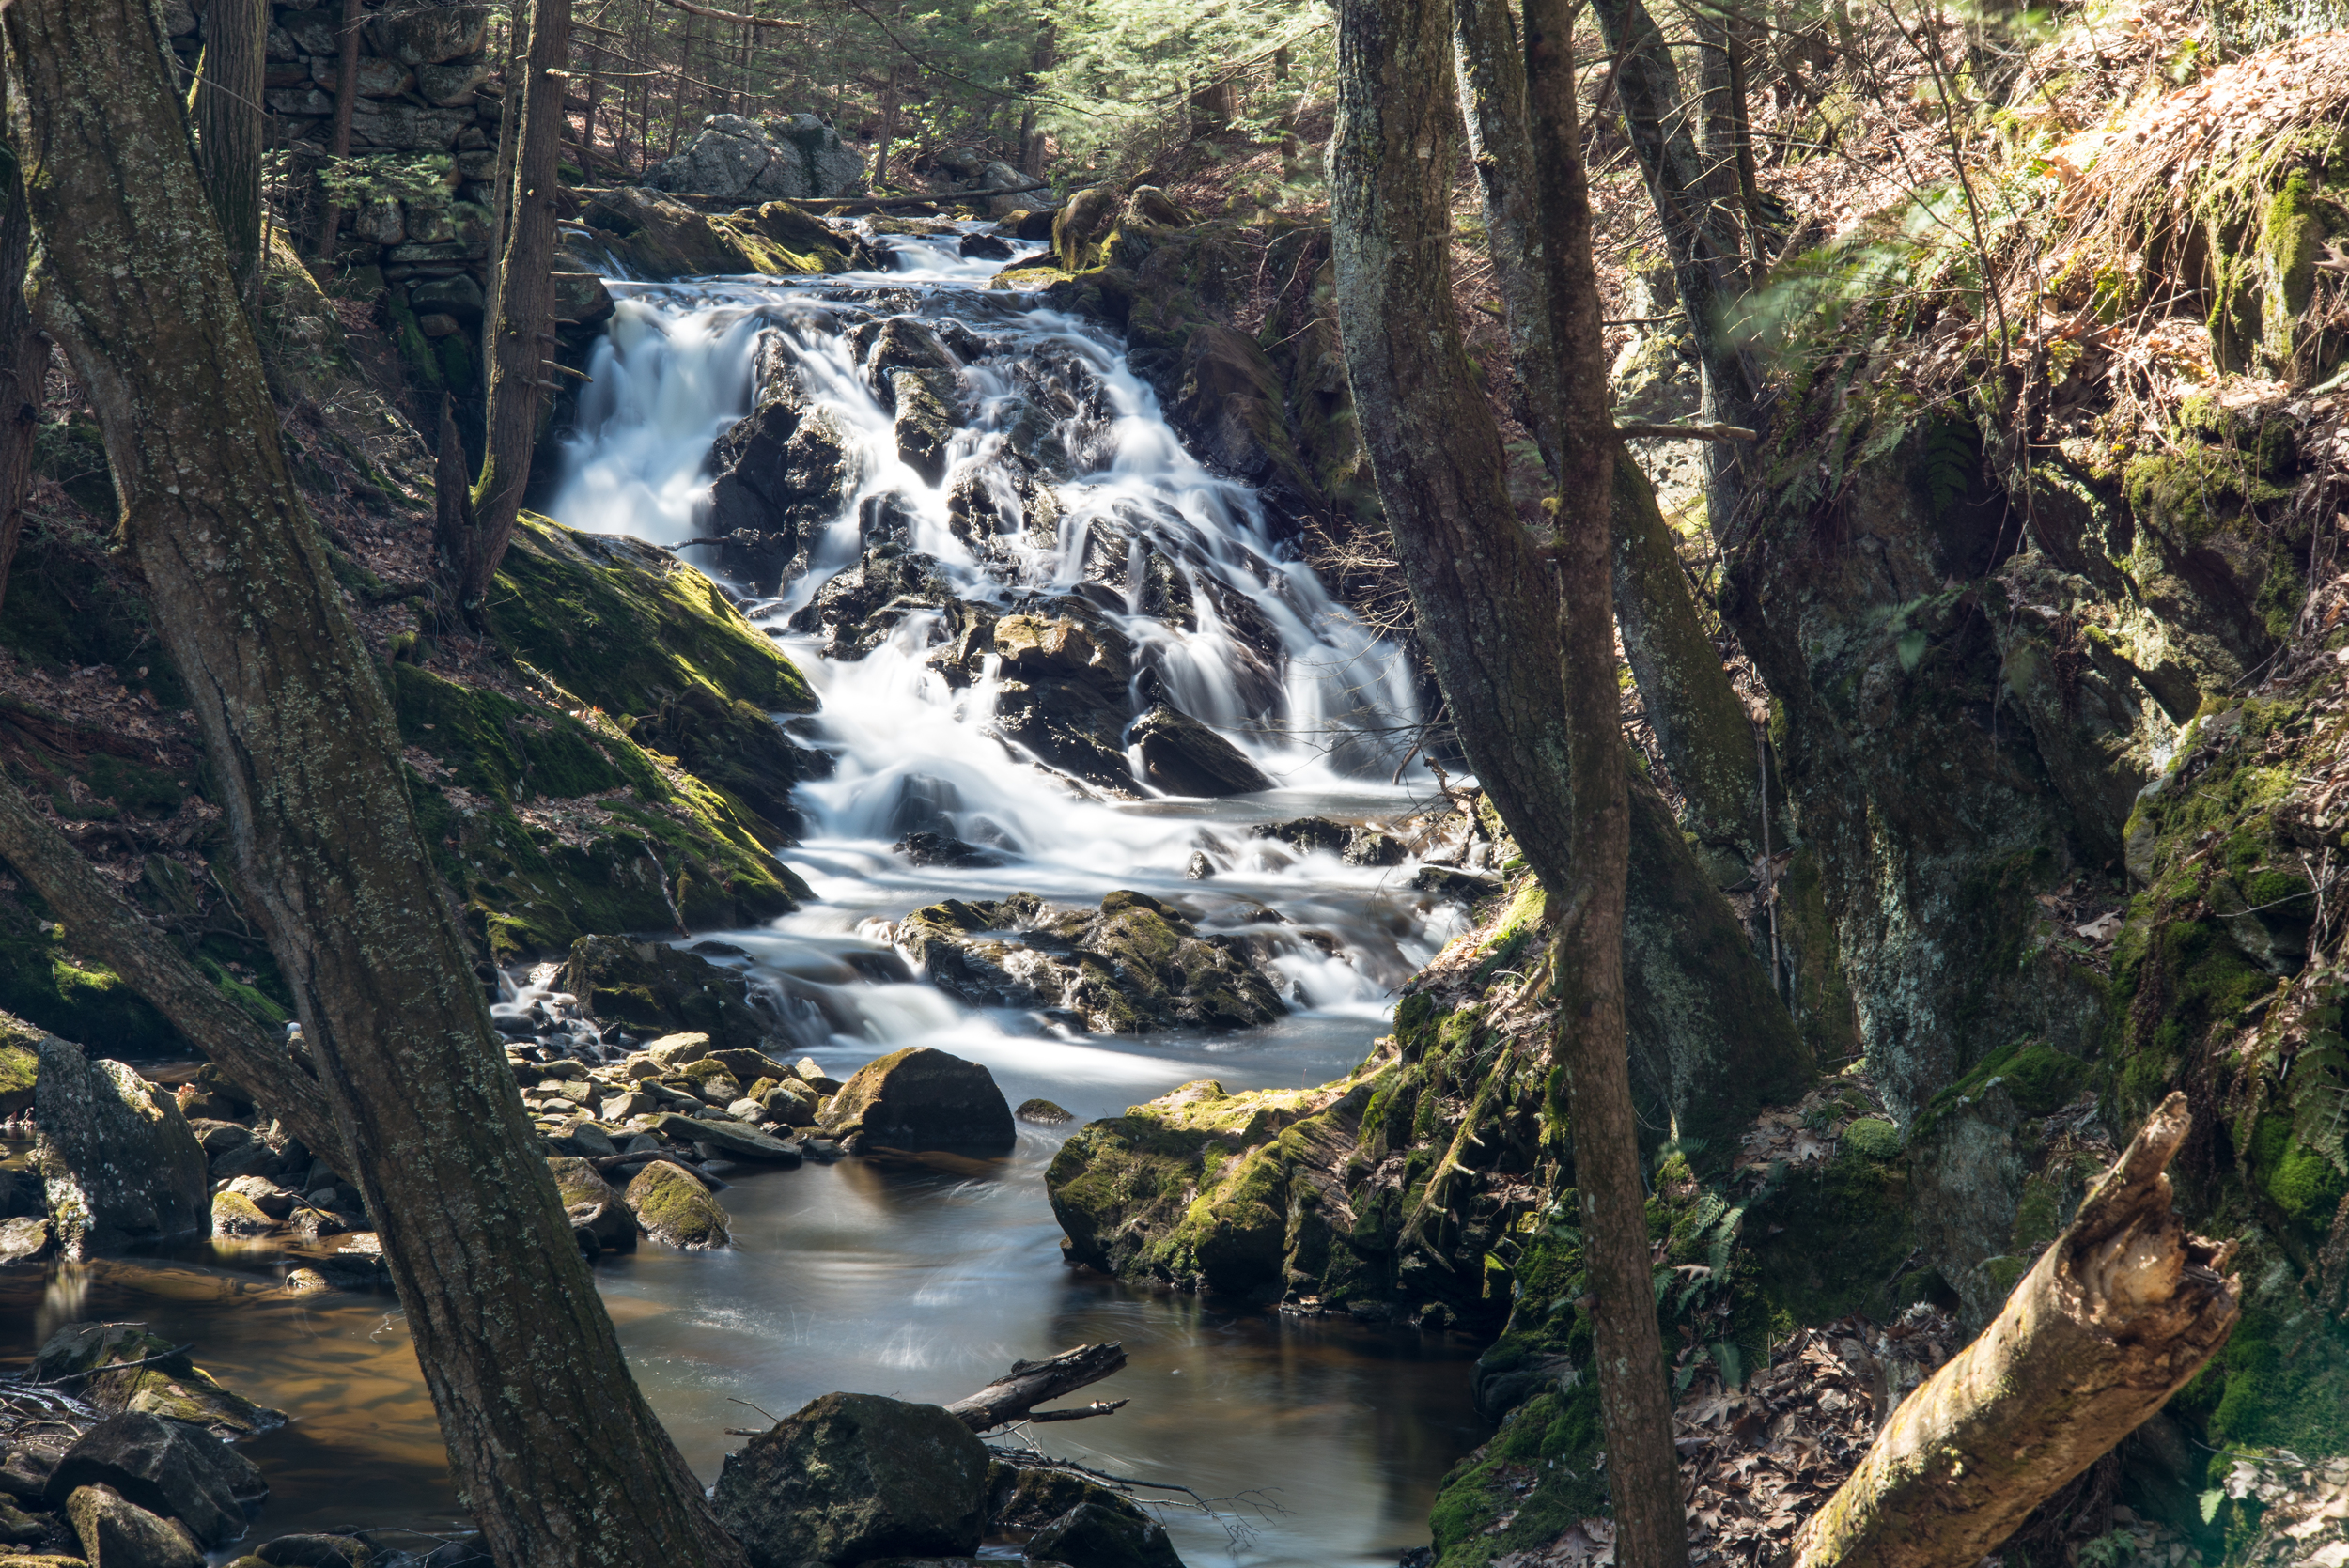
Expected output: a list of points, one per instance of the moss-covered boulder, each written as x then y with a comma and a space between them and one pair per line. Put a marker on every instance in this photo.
675, 1207
118, 1160
1134, 965
659, 237
94, 1362
849, 1478
593, 1204
115, 1532
921, 1098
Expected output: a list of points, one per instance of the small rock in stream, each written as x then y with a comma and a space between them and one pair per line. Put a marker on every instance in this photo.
849, 1478
115, 1532
171, 1468
675, 1207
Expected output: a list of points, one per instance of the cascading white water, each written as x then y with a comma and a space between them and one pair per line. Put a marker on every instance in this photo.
1313, 699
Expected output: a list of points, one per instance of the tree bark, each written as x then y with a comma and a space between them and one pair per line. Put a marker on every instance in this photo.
553, 1444
23, 357
1527, 670
1029, 1384
109, 929
228, 127
2115, 1317
346, 101
1635, 1403
523, 311
1708, 266
1699, 721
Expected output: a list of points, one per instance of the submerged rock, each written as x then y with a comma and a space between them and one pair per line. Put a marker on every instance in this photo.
853, 1477
118, 1159
316, 1551
920, 1098
675, 1207
1135, 964
90, 1360
172, 1468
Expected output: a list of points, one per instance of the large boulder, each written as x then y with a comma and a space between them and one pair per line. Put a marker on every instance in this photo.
659, 237
729, 1138
95, 1360
1183, 756
853, 1477
118, 1159
674, 1207
1136, 964
920, 1098
736, 160
172, 1468
115, 1532
924, 422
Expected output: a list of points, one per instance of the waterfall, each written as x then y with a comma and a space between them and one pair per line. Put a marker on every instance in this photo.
1060, 491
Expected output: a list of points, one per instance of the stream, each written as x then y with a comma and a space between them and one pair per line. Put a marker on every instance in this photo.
1317, 1441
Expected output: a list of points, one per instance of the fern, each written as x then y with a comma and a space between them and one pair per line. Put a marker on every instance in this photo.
1952, 460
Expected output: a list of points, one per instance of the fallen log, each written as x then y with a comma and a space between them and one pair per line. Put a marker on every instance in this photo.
2116, 1317
1029, 1384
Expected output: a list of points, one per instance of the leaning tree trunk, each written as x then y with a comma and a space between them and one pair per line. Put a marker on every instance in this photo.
1700, 723
1694, 202
553, 1444
1526, 668
1635, 1404
105, 927
522, 314
2115, 1317
24, 356
229, 126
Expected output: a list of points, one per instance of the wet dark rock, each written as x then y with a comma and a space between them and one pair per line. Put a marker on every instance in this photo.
174, 1468
675, 1207
1134, 965
901, 343
920, 1098
853, 1477
987, 247
653, 988
859, 608
1043, 1112
1183, 756
931, 848
1352, 843
316, 1551
781, 475
732, 1138
24, 1474
1096, 1534
594, 1205
924, 422
115, 1532
1460, 887
20, 1529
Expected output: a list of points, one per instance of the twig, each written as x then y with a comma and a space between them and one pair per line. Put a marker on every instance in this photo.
1684, 432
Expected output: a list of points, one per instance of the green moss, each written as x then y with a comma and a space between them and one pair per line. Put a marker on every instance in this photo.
625, 629
45, 983
1550, 1446
1872, 1137
1833, 1238
2301, 1182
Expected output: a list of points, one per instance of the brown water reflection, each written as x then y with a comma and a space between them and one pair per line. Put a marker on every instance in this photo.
1328, 1436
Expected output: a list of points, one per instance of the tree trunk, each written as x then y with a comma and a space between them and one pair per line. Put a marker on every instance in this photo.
346, 101
1700, 723
1527, 670
2115, 1317
228, 127
523, 311
108, 929
23, 357
1708, 266
1635, 1404
553, 1444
